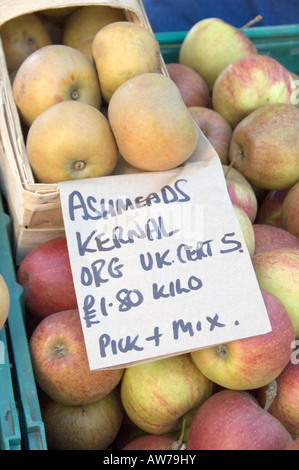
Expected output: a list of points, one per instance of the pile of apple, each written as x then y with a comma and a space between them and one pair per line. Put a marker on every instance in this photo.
240, 395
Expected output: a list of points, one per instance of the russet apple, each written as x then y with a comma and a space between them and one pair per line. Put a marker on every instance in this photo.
248, 83
265, 145
4, 301
249, 363
216, 129
247, 229
53, 74
269, 211
82, 25
233, 420
82, 427
193, 88
60, 363
269, 237
277, 270
240, 191
285, 404
46, 278
290, 211
211, 45
71, 140
157, 395
21, 36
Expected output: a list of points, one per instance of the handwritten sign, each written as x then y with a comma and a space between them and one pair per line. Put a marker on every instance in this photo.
159, 262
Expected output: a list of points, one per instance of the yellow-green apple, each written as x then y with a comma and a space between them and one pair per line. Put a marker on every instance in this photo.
122, 50
269, 211
157, 395
21, 36
211, 45
269, 237
216, 129
249, 363
193, 88
53, 74
265, 146
277, 270
249, 83
71, 140
233, 420
290, 211
82, 25
285, 404
247, 229
82, 427
58, 14
295, 88
293, 446
4, 301
153, 442
46, 278
240, 191
60, 362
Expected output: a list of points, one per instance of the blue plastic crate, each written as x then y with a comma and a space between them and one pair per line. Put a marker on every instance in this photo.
26, 396
279, 42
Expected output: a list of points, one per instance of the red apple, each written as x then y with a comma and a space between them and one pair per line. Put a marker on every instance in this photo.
152, 442
277, 270
269, 237
233, 420
249, 83
293, 446
269, 211
60, 362
157, 395
240, 191
46, 277
285, 405
216, 129
82, 427
290, 211
265, 145
249, 363
193, 88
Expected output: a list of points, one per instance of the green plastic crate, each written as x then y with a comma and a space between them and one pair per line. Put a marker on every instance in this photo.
10, 432
279, 42
25, 391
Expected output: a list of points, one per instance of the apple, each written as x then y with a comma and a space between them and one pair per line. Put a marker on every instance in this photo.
82, 25
233, 420
46, 278
293, 446
20, 37
157, 395
240, 191
82, 427
216, 129
269, 211
71, 140
285, 405
290, 211
53, 74
246, 228
193, 88
152, 442
58, 15
60, 362
249, 83
277, 270
269, 237
249, 363
211, 45
4, 301
265, 145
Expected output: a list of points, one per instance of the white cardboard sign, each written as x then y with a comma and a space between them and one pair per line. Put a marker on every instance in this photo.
159, 262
